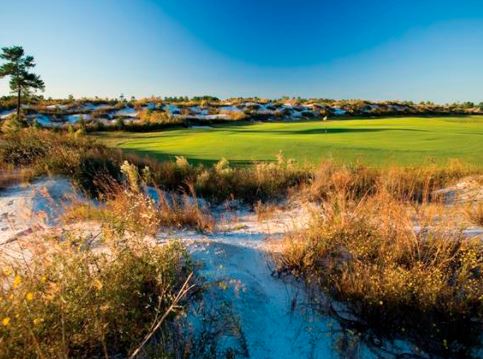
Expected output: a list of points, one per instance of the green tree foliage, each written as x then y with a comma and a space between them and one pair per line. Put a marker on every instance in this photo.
18, 66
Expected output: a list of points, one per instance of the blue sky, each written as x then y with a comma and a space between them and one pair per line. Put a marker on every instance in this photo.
380, 49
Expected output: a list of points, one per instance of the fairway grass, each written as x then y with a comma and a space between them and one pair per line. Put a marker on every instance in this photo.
375, 142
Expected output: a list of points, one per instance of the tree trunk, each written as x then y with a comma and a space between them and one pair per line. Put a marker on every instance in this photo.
18, 104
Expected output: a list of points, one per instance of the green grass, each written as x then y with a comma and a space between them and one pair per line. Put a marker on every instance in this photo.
375, 142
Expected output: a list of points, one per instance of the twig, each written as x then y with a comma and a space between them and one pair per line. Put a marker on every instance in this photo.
182, 292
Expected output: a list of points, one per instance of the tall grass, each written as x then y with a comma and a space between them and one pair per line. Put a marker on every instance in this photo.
130, 208
263, 181
422, 284
416, 184
474, 213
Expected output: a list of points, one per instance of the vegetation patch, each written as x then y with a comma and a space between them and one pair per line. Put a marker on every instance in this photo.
392, 271
130, 208
73, 302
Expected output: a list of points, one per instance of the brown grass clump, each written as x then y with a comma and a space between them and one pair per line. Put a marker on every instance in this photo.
157, 117
70, 301
403, 183
474, 214
129, 208
422, 284
235, 115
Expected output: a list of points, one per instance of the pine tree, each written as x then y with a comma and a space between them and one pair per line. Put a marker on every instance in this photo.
17, 66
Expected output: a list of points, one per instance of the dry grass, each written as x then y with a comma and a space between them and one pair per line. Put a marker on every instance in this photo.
262, 181
128, 212
111, 294
425, 285
266, 211
235, 115
474, 214
43, 152
404, 183
129, 208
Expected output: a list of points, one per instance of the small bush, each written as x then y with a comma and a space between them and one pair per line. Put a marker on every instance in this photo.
72, 302
235, 115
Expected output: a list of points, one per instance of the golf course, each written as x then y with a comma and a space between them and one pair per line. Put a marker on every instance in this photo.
374, 142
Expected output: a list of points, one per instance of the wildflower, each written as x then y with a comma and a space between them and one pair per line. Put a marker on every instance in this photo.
6, 321
37, 321
29, 296
16, 281
98, 284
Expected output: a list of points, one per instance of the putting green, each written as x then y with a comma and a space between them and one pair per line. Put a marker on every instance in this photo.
377, 142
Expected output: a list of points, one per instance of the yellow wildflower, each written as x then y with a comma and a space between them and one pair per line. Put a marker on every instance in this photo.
29, 296
6, 321
98, 284
16, 281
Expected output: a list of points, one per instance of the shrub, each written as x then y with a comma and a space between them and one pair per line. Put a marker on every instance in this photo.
73, 302
262, 181
11, 125
235, 115
158, 117
75, 156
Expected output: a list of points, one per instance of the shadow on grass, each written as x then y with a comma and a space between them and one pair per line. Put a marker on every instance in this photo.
332, 130
162, 156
